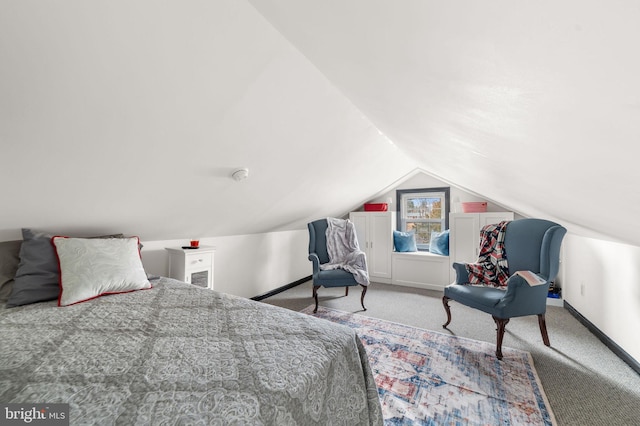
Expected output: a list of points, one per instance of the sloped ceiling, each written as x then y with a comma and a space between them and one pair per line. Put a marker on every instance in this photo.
535, 105
131, 116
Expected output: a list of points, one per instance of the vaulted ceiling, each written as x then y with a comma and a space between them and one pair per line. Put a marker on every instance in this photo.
535, 105
134, 114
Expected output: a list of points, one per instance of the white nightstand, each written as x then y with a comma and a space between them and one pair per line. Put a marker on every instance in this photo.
194, 266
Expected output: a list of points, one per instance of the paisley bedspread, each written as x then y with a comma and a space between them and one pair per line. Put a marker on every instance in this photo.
180, 354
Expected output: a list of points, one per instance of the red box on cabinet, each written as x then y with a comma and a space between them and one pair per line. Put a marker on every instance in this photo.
474, 207
375, 207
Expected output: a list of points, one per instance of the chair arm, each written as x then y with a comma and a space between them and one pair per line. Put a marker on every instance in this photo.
315, 260
462, 275
522, 299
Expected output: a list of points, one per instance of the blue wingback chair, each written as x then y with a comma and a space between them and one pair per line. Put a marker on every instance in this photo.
318, 255
529, 244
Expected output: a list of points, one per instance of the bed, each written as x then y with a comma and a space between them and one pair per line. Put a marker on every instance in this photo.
176, 353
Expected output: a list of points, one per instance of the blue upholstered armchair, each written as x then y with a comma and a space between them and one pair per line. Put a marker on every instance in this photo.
529, 244
318, 255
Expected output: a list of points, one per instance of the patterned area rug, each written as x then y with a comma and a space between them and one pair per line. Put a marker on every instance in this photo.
430, 378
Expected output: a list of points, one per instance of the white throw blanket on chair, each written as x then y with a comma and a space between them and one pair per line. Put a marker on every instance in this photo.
344, 251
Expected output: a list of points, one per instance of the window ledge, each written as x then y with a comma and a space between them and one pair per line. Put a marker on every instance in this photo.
419, 253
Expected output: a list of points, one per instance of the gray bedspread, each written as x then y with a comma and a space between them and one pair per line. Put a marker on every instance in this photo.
179, 354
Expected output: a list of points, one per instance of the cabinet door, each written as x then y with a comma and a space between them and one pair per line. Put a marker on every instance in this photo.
494, 217
464, 234
380, 238
360, 223
201, 278
464, 237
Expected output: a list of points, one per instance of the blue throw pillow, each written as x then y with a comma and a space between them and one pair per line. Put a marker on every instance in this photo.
404, 241
439, 243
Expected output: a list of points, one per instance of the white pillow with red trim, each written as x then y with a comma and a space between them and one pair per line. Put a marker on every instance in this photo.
91, 268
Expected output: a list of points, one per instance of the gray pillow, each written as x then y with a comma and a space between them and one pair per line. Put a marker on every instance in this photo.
37, 278
9, 260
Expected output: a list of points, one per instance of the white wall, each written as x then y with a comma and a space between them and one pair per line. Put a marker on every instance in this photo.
601, 279
244, 265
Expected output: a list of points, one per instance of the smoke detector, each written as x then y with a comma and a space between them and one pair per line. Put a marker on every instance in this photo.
240, 174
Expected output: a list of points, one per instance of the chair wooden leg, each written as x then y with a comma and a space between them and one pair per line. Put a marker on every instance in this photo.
346, 291
315, 296
445, 302
364, 291
543, 329
501, 323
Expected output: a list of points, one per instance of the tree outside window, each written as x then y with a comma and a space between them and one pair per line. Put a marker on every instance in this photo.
423, 211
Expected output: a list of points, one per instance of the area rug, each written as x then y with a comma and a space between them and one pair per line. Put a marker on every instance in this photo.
430, 378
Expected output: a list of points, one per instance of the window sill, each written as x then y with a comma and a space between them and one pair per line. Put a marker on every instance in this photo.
420, 253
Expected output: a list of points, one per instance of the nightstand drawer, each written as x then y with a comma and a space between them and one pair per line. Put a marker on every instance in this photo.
198, 260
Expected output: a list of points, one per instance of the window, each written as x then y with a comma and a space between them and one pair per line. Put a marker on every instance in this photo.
423, 211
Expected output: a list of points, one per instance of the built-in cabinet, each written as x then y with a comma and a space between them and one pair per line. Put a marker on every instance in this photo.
375, 237
419, 269
464, 235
